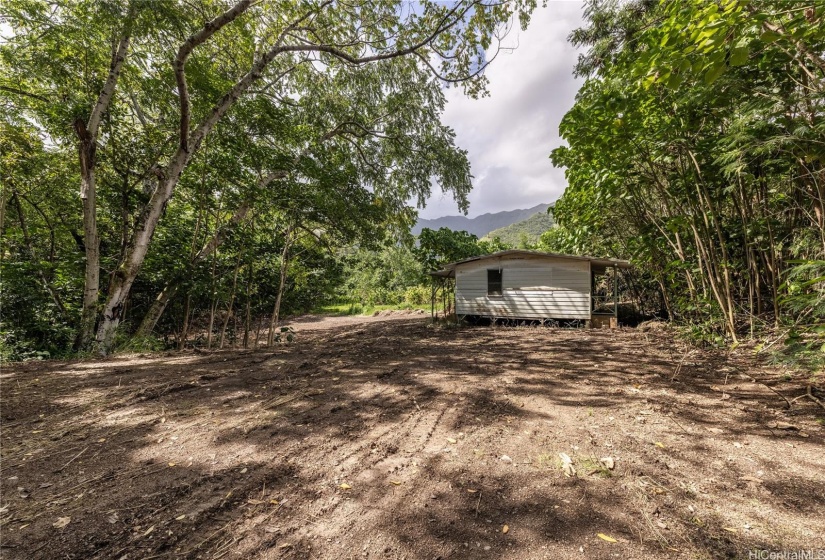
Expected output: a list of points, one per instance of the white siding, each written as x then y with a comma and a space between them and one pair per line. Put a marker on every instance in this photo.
533, 288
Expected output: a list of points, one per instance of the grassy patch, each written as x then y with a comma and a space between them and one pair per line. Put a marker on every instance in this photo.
547, 460
591, 466
344, 309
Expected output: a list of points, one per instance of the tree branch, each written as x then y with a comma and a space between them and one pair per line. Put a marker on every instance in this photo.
24, 93
118, 59
209, 29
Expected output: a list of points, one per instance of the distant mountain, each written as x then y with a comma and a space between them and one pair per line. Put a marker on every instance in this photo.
480, 225
528, 230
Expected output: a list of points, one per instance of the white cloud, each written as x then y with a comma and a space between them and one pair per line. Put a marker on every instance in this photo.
510, 134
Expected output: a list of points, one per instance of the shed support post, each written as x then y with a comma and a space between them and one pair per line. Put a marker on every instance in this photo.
616, 294
432, 298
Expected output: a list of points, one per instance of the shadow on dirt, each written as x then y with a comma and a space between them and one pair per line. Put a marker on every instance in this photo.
400, 440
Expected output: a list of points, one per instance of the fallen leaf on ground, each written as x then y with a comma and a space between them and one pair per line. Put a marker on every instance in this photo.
254, 502
451, 440
112, 518
607, 538
61, 522
505, 529
659, 444
172, 464
471, 490
607, 462
344, 486
506, 459
149, 531
395, 482
178, 518
567, 465
729, 529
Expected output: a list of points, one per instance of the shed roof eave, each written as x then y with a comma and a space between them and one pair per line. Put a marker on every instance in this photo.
448, 271
443, 273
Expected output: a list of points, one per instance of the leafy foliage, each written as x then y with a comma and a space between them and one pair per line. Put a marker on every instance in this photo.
695, 150
224, 151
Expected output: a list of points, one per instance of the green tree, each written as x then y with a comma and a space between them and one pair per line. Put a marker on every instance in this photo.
142, 90
693, 151
439, 247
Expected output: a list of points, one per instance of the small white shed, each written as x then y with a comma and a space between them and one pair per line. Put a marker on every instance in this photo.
521, 284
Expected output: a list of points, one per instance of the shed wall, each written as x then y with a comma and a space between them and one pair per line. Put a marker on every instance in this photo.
533, 288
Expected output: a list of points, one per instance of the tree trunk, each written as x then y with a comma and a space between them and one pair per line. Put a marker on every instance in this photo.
247, 318
153, 315
91, 242
124, 276
150, 320
87, 134
4, 197
184, 329
258, 332
273, 324
212, 310
213, 307
231, 302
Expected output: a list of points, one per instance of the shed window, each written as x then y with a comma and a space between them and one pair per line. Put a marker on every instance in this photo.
494, 282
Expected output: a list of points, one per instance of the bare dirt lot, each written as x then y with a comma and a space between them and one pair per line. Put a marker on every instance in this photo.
392, 439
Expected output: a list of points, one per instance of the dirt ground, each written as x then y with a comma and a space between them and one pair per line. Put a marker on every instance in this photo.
393, 438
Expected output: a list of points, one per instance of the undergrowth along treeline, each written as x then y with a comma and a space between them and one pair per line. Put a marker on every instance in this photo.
696, 148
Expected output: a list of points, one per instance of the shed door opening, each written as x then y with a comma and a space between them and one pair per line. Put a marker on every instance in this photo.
494, 282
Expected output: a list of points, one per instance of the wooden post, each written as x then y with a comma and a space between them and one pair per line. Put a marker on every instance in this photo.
616, 294
432, 298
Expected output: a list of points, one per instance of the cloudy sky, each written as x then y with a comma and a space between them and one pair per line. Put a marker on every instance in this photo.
510, 134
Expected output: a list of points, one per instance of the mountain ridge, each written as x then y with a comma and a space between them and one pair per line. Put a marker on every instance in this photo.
523, 232
480, 225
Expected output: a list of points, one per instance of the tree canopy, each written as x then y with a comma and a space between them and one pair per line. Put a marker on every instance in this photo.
184, 126
695, 147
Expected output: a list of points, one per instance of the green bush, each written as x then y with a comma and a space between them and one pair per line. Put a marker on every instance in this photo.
418, 295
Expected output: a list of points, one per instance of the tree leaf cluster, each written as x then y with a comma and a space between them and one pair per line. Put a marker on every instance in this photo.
695, 149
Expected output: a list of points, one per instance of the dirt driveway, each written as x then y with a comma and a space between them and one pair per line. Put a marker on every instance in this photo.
394, 439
